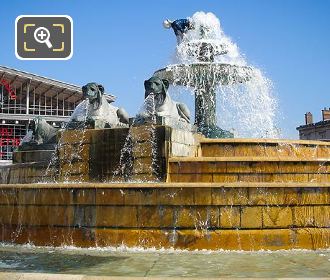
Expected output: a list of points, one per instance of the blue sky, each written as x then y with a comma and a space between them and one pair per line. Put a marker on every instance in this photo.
121, 43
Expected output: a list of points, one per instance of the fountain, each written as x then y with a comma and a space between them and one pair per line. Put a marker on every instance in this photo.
207, 63
157, 183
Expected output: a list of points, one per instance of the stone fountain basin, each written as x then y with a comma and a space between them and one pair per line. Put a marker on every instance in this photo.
215, 194
201, 75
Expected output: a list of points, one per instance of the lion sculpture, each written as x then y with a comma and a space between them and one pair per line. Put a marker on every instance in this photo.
164, 106
96, 112
40, 134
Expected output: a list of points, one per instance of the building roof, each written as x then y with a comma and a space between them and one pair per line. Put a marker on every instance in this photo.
19, 79
313, 125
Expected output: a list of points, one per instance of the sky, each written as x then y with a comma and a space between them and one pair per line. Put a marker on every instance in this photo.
122, 43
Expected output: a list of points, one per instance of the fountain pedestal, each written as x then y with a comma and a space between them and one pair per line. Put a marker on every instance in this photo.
206, 115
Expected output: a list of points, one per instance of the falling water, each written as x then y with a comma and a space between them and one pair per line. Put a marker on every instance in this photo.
128, 165
54, 164
244, 99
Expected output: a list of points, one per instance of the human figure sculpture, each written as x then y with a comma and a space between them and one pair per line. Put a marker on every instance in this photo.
164, 106
179, 26
95, 111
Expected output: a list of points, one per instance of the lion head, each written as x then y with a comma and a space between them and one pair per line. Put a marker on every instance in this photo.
93, 92
158, 87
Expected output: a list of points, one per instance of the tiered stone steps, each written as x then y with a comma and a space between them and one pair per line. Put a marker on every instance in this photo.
254, 160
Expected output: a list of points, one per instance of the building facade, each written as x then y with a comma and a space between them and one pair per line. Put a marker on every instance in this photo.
316, 131
23, 96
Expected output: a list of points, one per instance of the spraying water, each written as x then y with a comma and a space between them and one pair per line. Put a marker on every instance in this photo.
228, 92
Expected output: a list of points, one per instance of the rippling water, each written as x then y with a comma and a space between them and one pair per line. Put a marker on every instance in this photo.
164, 263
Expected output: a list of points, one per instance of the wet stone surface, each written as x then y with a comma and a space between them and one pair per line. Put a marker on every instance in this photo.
165, 263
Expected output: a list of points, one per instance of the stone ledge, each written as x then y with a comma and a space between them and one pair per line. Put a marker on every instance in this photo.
231, 239
51, 276
246, 159
262, 141
156, 185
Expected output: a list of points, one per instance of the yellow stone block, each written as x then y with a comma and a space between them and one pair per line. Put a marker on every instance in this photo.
140, 196
303, 239
225, 178
264, 167
254, 178
8, 215
322, 216
220, 167
116, 216
284, 150
230, 217
34, 215
186, 217
271, 150
146, 177
67, 177
291, 178
207, 217
8, 197
83, 196
175, 196
217, 150
292, 167
110, 196
46, 196
321, 178
142, 165
75, 168
238, 167
155, 217
302, 151
251, 240
266, 196
166, 216
60, 215
141, 133
323, 151
250, 149
190, 167
202, 196
230, 196
291, 196
251, 217
70, 152
303, 216
181, 178
173, 167
313, 238
314, 196
143, 149
277, 217
74, 136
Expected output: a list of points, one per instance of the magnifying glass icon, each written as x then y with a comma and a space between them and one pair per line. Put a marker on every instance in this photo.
42, 35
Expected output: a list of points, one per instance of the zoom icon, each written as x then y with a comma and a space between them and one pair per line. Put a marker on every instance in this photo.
43, 37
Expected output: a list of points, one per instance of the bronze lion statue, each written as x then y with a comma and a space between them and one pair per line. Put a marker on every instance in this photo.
164, 106
95, 111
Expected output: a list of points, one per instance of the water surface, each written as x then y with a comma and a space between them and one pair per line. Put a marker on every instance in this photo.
164, 263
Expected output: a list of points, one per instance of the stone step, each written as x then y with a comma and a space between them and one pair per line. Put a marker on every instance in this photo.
264, 147
247, 165
248, 169
249, 177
